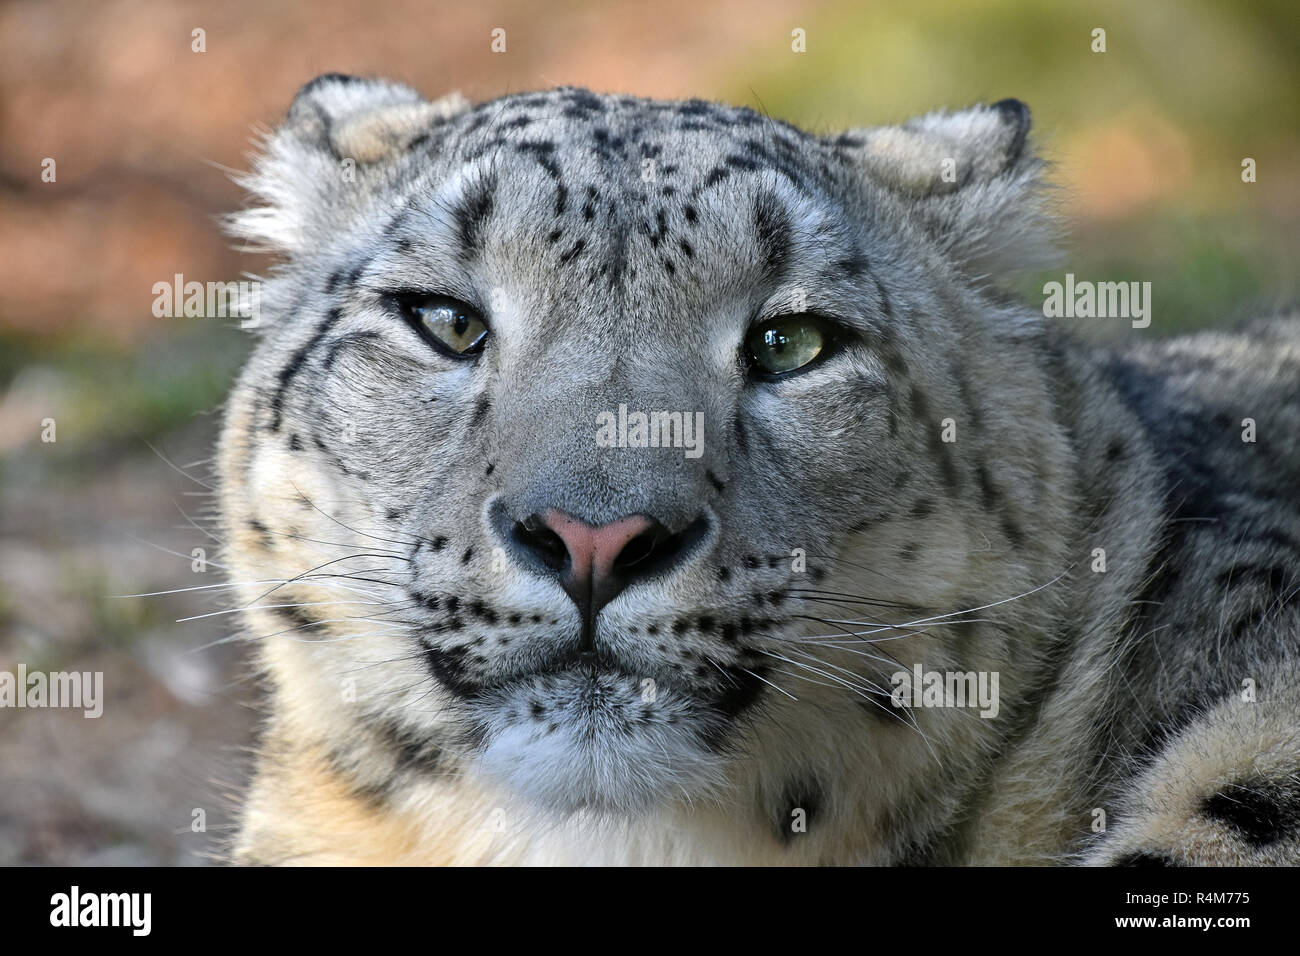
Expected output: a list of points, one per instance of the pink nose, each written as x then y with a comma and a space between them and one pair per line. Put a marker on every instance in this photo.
594, 563
593, 549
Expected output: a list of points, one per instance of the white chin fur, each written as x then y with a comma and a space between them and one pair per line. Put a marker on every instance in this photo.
610, 751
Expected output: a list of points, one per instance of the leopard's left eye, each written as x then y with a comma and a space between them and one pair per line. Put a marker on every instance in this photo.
450, 325
786, 343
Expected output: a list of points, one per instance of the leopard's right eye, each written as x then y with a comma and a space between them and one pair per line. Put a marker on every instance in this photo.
451, 326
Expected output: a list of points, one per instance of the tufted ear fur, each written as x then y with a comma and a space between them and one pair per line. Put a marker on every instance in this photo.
970, 179
339, 129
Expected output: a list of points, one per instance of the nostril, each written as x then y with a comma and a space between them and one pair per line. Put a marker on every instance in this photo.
657, 549
534, 535
641, 548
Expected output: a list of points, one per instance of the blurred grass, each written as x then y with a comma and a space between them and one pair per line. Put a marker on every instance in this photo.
107, 392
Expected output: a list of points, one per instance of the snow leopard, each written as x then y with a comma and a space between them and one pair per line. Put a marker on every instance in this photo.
629, 481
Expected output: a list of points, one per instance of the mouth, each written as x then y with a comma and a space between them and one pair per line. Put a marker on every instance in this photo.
593, 738
574, 728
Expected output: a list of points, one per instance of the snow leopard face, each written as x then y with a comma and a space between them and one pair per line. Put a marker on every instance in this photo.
588, 435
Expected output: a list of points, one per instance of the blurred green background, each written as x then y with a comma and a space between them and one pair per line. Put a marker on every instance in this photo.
1147, 141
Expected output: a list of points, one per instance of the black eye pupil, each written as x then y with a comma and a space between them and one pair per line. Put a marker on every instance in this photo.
460, 323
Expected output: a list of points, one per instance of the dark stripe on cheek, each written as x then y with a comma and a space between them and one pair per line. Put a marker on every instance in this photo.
294, 366
940, 449
347, 341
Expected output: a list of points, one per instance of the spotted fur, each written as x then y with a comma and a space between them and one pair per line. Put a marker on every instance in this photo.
436, 698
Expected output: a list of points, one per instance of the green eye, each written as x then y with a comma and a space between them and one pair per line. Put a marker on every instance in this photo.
786, 343
451, 325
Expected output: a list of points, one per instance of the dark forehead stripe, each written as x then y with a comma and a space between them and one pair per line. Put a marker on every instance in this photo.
773, 230
472, 213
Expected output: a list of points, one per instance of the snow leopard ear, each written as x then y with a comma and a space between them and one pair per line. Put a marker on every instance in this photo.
338, 129
970, 179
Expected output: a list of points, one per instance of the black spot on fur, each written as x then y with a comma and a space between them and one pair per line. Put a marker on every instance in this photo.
574, 251
923, 508
1260, 811
741, 690
805, 795
411, 751
715, 175
446, 666
298, 618
263, 532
